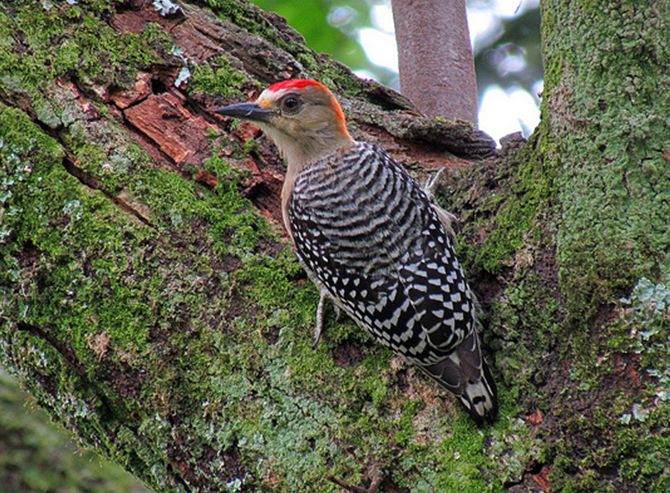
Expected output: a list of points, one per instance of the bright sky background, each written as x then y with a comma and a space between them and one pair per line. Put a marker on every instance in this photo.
501, 111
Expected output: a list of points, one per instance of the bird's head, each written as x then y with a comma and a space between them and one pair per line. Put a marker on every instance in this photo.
301, 116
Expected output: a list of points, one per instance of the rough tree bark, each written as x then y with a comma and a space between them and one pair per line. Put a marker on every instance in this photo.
149, 303
437, 69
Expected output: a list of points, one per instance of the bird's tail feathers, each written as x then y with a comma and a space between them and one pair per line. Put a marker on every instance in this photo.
465, 373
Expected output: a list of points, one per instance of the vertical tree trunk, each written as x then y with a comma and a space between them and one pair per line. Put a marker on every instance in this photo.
577, 230
437, 70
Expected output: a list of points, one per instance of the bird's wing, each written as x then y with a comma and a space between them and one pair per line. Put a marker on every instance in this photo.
370, 235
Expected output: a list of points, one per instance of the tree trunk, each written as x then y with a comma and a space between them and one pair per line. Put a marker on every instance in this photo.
150, 304
437, 69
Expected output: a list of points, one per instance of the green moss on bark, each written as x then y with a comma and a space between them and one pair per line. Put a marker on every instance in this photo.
66, 41
586, 199
607, 99
624, 426
186, 335
217, 77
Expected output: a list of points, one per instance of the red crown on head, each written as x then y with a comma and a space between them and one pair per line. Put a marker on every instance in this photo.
300, 84
295, 84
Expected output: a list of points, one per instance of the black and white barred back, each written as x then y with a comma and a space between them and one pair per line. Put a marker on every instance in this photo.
369, 234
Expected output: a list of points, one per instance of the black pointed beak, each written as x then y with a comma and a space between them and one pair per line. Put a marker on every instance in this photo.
249, 111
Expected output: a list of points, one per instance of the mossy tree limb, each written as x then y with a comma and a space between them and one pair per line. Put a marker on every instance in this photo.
149, 303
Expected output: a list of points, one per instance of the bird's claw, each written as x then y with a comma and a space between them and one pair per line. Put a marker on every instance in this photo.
431, 182
323, 296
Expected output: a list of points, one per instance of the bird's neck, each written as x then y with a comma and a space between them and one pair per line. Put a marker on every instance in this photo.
299, 155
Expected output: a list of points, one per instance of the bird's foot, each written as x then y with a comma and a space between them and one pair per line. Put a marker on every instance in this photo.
447, 218
323, 297
432, 181
338, 312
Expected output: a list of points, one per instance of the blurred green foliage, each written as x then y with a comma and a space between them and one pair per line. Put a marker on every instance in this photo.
507, 54
518, 37
328, 26
38, 456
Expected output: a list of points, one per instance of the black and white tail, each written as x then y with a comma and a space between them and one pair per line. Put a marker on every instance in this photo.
465, 373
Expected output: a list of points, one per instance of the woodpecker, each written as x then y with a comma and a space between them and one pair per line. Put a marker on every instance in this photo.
373, 241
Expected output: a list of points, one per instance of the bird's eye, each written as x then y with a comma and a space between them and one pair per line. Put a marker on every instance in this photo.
290, 104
